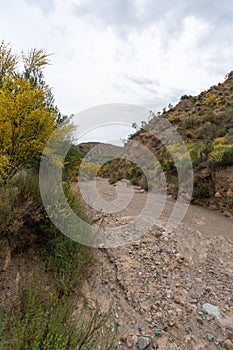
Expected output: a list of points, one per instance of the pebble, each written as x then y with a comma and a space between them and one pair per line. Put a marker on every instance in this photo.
158, 332
130, 342
135, 339
211, 310
123, 337
193, 294
228, 344
200, 320
210, 338
143, 342
165, 236
188, 308
227, 323
201, 345
141, 329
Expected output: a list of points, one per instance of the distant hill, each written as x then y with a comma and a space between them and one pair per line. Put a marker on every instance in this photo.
85, 147
98, 152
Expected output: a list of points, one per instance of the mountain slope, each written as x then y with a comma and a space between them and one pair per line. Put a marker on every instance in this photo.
205, 122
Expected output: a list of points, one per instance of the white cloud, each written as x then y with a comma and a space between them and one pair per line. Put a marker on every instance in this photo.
100, 60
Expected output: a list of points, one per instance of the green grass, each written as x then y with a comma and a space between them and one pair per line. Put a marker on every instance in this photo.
67, 260
42, 320
42, 317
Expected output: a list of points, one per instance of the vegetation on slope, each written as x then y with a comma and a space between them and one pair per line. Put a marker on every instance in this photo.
205, 122
43, 288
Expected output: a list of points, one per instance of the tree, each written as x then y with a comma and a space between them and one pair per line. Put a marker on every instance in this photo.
8, 62
28, 115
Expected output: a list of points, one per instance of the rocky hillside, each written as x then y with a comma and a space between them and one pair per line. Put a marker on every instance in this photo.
205, 123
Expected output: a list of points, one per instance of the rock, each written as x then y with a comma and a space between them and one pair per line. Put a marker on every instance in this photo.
217, 195
137, 187
158, 332
123, 337
154, 343
148, 319
193, 294
140, 191
210, 338
188, 308
201, 345
158, 234
143, 342
135, 339
229, 193
200, 320
211, 310
228, 344
177, 300
130, 342
227, 323
200, 309
141, 329
165, 235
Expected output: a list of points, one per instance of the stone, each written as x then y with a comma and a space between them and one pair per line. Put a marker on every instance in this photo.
123, 337
143, 342
228, 344
200, 320
193, 294
148, 319
165, 235
141, 329
135, 339
177, 299
211, 310
227, 323
217, 195
229, 193
130, 342
201, 345
188, 308
158, 234
158, 332
210, 338
154, 343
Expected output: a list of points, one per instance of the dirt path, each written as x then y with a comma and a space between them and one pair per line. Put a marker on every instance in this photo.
158, 284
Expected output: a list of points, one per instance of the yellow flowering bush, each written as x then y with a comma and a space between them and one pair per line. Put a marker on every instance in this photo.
89, 170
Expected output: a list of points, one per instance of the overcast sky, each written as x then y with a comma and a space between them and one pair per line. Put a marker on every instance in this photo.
142, 52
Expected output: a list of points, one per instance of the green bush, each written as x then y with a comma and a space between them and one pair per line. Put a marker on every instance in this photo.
43, 320
21, 210
203, 188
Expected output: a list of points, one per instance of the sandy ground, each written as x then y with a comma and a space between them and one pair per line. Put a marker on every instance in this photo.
158, 282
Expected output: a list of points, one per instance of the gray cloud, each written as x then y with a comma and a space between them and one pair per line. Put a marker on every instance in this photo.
45, 5
144, 81
127, 13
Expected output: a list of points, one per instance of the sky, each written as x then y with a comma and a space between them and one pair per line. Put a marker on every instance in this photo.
134, 52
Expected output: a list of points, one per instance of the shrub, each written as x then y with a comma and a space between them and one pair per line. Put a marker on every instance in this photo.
89, 170
220, 148
203, 188
21, 210
43, 320
210, 101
